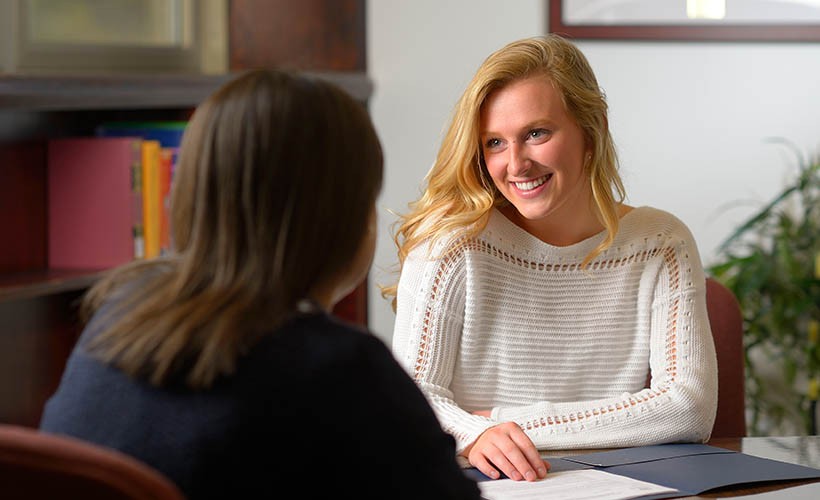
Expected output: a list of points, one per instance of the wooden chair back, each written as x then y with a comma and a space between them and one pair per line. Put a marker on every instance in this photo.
39, 465
726, 320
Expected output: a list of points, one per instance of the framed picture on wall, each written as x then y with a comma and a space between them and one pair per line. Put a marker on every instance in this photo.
695, 20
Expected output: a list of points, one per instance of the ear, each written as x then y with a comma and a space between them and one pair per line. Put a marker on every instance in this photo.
587, 151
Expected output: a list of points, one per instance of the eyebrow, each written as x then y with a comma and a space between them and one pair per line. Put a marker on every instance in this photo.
540, 123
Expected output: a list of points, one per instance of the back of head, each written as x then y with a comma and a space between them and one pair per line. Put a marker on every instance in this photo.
277, 176
275, 169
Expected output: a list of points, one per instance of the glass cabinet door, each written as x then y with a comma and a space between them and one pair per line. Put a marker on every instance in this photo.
139, 23
81, 36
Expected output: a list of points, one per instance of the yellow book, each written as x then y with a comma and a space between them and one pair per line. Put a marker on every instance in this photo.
151, 198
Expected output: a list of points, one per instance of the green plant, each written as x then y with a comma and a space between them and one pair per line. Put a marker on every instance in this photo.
772, 264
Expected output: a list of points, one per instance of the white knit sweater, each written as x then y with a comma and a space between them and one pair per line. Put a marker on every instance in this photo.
512, 324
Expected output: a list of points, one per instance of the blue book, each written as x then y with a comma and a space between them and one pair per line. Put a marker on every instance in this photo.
168, 133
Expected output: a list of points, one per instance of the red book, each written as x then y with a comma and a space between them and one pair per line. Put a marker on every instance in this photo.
94, 202
167, 157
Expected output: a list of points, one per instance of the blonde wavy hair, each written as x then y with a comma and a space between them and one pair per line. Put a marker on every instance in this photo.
460, 192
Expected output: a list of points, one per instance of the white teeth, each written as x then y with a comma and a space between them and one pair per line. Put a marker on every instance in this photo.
526, 186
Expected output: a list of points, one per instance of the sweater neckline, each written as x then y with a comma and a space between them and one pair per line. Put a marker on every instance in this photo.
502, 230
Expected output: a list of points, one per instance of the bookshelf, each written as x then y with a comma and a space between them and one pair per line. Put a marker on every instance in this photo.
38, 305
34, 109
134, 92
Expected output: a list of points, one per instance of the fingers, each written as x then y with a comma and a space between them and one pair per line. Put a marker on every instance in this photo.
530, 453
480, 462
506, 448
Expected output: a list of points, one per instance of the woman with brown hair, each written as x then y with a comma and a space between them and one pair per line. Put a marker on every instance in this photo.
220, 364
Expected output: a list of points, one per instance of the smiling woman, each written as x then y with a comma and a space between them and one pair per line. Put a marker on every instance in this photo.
531, 145
533, 302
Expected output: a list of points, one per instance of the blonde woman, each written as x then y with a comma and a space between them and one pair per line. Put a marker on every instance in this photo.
534, 307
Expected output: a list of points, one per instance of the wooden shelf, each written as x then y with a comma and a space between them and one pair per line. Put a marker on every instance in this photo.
33, 284
133, 91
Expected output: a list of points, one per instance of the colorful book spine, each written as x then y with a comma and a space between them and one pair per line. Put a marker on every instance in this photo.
169, 135
167, 157
151, 202
138, 226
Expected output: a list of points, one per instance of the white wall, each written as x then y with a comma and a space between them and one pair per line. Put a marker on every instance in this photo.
690, 119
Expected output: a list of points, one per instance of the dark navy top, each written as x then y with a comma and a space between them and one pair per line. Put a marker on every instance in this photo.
318, 407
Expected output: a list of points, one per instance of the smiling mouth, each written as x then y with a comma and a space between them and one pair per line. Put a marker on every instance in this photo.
530, 185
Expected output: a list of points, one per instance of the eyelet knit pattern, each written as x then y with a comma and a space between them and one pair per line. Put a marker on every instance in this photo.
507, 322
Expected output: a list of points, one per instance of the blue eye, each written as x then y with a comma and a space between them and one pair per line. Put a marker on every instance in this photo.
492, 143
538, 133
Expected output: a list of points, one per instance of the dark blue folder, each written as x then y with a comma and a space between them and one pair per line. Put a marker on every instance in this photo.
690, 469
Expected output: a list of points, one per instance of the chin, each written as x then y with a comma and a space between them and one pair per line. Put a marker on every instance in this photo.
533, 213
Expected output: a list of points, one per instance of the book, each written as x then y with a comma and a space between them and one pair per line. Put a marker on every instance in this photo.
94, 202
151, 198
167, 162
169, 135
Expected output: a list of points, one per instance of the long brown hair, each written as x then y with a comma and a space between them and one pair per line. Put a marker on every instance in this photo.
276, 180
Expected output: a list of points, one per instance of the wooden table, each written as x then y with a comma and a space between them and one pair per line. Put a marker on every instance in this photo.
803, 450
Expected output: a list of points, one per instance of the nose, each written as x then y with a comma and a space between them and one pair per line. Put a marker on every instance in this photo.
519, 162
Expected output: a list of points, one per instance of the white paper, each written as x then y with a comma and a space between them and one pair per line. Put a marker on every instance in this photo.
573, 484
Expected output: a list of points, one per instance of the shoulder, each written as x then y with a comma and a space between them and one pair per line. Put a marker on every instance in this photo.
368, 405
321, 328
652, 215
651, 223
344, 362
649, 233
454, 238
112, 297
321, 343
434, 250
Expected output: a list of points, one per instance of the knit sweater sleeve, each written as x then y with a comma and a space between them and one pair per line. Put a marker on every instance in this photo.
427, 335
680, 403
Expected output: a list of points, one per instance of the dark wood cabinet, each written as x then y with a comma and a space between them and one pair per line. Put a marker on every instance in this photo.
38, 305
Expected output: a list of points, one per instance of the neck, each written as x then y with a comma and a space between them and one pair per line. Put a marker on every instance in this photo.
311, 305
561, 228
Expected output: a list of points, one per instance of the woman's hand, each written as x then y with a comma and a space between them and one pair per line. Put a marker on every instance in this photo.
507, 448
